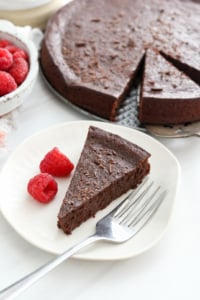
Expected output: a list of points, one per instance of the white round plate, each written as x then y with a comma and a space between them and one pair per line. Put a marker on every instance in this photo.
37, 223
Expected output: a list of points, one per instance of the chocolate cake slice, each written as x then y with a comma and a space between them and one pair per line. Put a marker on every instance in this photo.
108, 167
167, 95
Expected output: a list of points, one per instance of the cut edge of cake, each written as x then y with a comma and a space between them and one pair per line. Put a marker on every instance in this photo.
188, 70
163, 99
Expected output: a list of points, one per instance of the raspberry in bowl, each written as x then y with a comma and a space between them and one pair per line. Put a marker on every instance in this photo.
18, 64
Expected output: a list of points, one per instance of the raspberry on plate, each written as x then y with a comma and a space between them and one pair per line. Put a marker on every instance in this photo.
56, 163
7, 83
6, 59
19, 69
42, 187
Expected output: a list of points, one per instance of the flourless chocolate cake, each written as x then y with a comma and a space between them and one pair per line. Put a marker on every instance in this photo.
108, 167
175, 89
92, 50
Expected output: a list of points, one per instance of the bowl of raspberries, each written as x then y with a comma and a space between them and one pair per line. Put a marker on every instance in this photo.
18, 65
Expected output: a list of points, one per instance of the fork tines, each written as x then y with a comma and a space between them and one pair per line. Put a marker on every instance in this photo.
140, 204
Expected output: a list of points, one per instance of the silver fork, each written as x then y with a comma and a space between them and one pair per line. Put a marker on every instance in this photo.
121, 224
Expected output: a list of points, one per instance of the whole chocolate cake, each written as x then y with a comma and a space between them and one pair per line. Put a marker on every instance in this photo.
92, 50
108, 167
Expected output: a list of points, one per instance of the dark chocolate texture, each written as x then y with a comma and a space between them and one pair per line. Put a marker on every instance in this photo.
108, 167
92, 50
166, 90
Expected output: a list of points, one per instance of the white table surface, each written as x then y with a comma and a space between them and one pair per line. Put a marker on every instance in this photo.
170, 270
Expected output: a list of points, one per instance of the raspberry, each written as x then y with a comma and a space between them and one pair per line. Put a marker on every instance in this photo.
6, 59
42, 187
7, 83
4, 43
56, 163
17, 52
20, 53
19, 70
12, 48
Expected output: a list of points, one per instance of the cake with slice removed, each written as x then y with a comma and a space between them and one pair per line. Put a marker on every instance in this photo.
107, 168
93, 58
167, 95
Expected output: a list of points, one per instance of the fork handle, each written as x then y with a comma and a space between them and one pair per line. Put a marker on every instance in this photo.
22, 284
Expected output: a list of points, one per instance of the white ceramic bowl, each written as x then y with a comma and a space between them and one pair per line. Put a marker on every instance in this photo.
29, 40
21, 4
